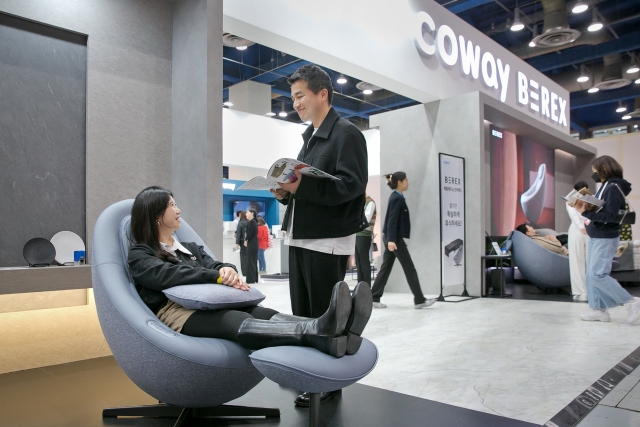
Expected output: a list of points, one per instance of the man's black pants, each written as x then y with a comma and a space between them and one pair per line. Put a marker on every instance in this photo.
363, 262
312, 276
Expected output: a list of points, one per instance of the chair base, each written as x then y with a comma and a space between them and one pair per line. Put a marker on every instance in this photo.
185, 415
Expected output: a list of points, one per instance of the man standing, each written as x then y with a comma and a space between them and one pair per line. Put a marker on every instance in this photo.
323, 215
363, 243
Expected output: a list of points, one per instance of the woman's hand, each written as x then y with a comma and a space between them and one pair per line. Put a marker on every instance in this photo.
580, 206
245, 243
583, 230
392, 246
230, 277
237, 246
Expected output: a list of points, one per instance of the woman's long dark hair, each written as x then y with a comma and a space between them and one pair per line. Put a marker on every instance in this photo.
394, 178
148, 206
607, 168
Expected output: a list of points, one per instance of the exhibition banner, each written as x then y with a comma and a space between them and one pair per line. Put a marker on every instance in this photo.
452, 217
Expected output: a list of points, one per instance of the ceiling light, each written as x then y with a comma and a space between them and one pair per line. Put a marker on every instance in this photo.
241, 47
637, 81
584, 76
517, 23
282, 112
595, 22
271, 114
367, 91
633, 67
593, 89
227, 104
341, 80
626, 117
580, 7
621, 108
534, 35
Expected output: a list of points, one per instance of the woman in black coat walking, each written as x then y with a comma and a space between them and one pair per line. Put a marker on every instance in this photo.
251, 245
397, 227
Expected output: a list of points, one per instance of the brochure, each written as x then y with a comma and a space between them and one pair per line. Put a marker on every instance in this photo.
592, 203
283, 171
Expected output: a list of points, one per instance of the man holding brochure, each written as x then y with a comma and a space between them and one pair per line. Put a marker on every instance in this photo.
323, 215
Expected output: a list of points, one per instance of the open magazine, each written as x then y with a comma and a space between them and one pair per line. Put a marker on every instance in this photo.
283, 171
592, 203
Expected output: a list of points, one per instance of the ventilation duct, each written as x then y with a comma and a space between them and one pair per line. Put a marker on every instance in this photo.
235, 41
556, 31
612, 76
367, 86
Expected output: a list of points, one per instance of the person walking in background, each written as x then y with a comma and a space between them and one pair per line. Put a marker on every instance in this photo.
397, 227
241, 230
263, 243
603, 291
578, 241
251, 244
363, 242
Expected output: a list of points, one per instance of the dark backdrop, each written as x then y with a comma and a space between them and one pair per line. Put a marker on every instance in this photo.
42, 134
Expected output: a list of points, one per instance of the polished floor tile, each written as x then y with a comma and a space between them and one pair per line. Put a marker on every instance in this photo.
604, 416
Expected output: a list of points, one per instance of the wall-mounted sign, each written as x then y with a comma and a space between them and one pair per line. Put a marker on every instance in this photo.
496, 73
228, 186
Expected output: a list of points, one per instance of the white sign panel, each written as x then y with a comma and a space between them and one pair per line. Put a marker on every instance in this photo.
416, 48
452, 220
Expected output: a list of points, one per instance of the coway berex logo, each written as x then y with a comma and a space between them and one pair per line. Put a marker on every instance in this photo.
495, 72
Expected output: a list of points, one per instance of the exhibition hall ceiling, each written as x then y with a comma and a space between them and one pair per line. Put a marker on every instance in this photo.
554, 40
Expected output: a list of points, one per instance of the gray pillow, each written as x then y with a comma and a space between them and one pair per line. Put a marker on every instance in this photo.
209, 296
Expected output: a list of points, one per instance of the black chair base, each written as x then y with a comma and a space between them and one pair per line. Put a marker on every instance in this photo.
185, 415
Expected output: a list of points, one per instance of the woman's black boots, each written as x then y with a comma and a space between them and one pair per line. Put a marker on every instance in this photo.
325, 333
361, 307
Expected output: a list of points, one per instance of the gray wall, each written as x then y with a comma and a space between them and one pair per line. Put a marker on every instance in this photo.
197, 117
411, 139
128, 93
42, 134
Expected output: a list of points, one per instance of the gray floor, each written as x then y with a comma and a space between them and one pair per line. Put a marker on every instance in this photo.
620, 407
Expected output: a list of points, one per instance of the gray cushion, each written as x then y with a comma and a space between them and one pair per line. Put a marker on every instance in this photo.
307, 369
210, 296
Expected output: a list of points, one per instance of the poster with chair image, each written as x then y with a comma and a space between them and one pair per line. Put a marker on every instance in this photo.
452, 220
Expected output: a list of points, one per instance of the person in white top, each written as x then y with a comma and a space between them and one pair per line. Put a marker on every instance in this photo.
578, 241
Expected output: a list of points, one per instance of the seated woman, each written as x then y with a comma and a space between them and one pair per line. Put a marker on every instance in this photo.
157, 261
548, 242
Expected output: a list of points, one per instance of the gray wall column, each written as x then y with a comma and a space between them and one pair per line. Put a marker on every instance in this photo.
197, 117
410, 140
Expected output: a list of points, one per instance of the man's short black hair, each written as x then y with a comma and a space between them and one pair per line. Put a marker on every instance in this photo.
316, 78
522, 228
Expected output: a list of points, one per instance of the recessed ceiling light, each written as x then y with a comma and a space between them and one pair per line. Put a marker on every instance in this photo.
271, 114
626, 117
593, 89
228, 104
367, 91
241, 47
341, 80
580, 7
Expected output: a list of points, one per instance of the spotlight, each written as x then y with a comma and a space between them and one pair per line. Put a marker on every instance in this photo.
517, 23
595, 22
593, 89
633, 67
271, 114
584, 76
282, 113
637, 81
367, 91
580, 7
228, 104
241, 47
534, 35
341, 80
621, 108
626, 117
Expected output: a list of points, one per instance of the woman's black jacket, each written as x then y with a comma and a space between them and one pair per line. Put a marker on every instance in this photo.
397, 223
151, 274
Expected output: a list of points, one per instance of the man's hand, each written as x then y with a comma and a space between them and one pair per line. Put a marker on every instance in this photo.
231, 278
392, 246
293, 187
279, 193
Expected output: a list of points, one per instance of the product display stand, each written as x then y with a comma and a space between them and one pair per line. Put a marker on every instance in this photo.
464, 296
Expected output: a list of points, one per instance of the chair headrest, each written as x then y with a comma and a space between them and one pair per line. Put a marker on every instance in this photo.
125, 240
